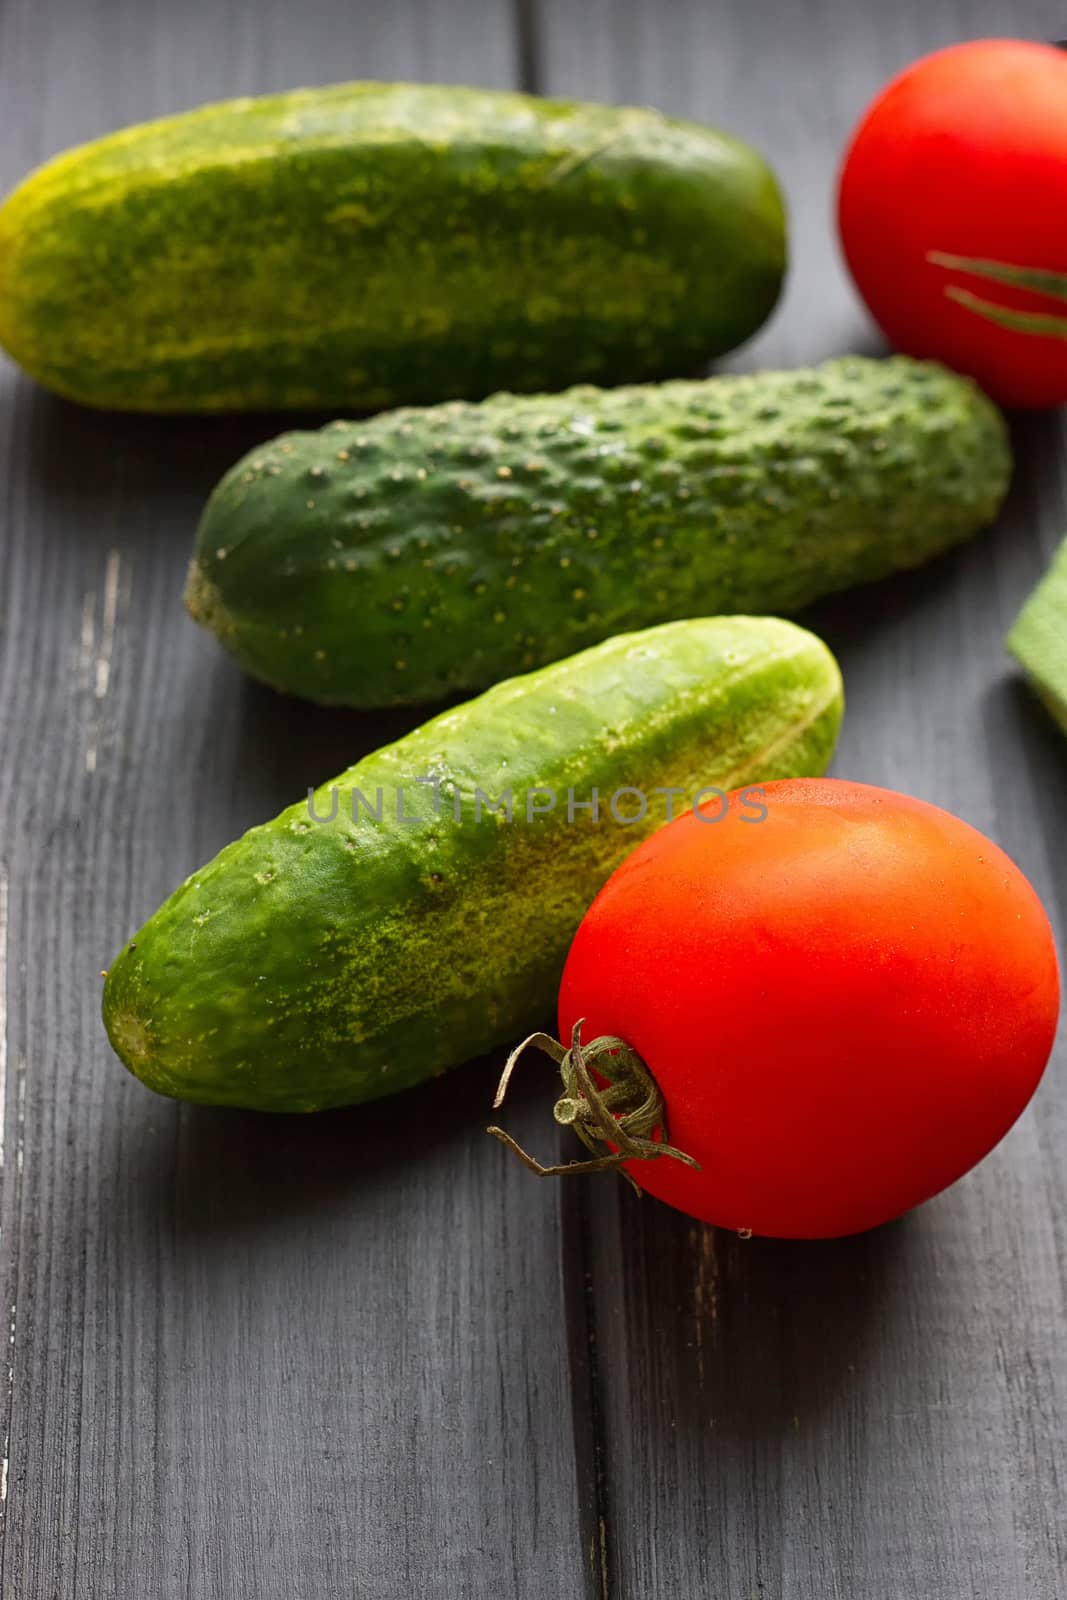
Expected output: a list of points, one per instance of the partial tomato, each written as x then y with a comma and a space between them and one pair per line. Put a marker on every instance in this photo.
845, 998
952, 207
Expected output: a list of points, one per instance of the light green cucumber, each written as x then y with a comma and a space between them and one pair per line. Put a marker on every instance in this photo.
1038, 641
315, 963
375, 244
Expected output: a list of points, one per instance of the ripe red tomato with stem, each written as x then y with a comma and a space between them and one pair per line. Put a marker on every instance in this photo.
952, 211
828, 1015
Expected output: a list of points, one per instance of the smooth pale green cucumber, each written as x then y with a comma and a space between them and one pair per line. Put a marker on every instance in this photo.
314, 963
432, 551
374, 244
1038, 641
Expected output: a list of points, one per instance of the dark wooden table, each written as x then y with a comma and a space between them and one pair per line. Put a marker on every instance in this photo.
366, 1355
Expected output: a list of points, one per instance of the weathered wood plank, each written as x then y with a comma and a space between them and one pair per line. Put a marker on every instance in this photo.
339, 1357
887, 1414
251, 1357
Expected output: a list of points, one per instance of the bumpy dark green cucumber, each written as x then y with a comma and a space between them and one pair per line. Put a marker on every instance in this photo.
376, 244
314, 963
429, 551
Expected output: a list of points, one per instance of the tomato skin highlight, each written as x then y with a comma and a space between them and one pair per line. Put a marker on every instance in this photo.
964, 153
845, 1006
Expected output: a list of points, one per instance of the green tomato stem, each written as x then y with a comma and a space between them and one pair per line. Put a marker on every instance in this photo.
619, 1118
1035, 279
1032, 279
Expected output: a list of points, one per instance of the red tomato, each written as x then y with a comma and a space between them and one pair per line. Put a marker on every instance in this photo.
844, 1006
964, 157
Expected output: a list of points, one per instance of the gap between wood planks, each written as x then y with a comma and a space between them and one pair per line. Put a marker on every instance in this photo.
528, 54
587, 1412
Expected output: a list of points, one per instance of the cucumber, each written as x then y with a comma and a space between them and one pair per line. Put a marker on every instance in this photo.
375, 244
315, 963
1038, 641
427, 552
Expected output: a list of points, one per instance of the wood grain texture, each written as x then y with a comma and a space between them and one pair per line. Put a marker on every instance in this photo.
365, 1355
885, 1415
273, 1359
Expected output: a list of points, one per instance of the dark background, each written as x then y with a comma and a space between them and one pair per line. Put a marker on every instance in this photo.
366, 1354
